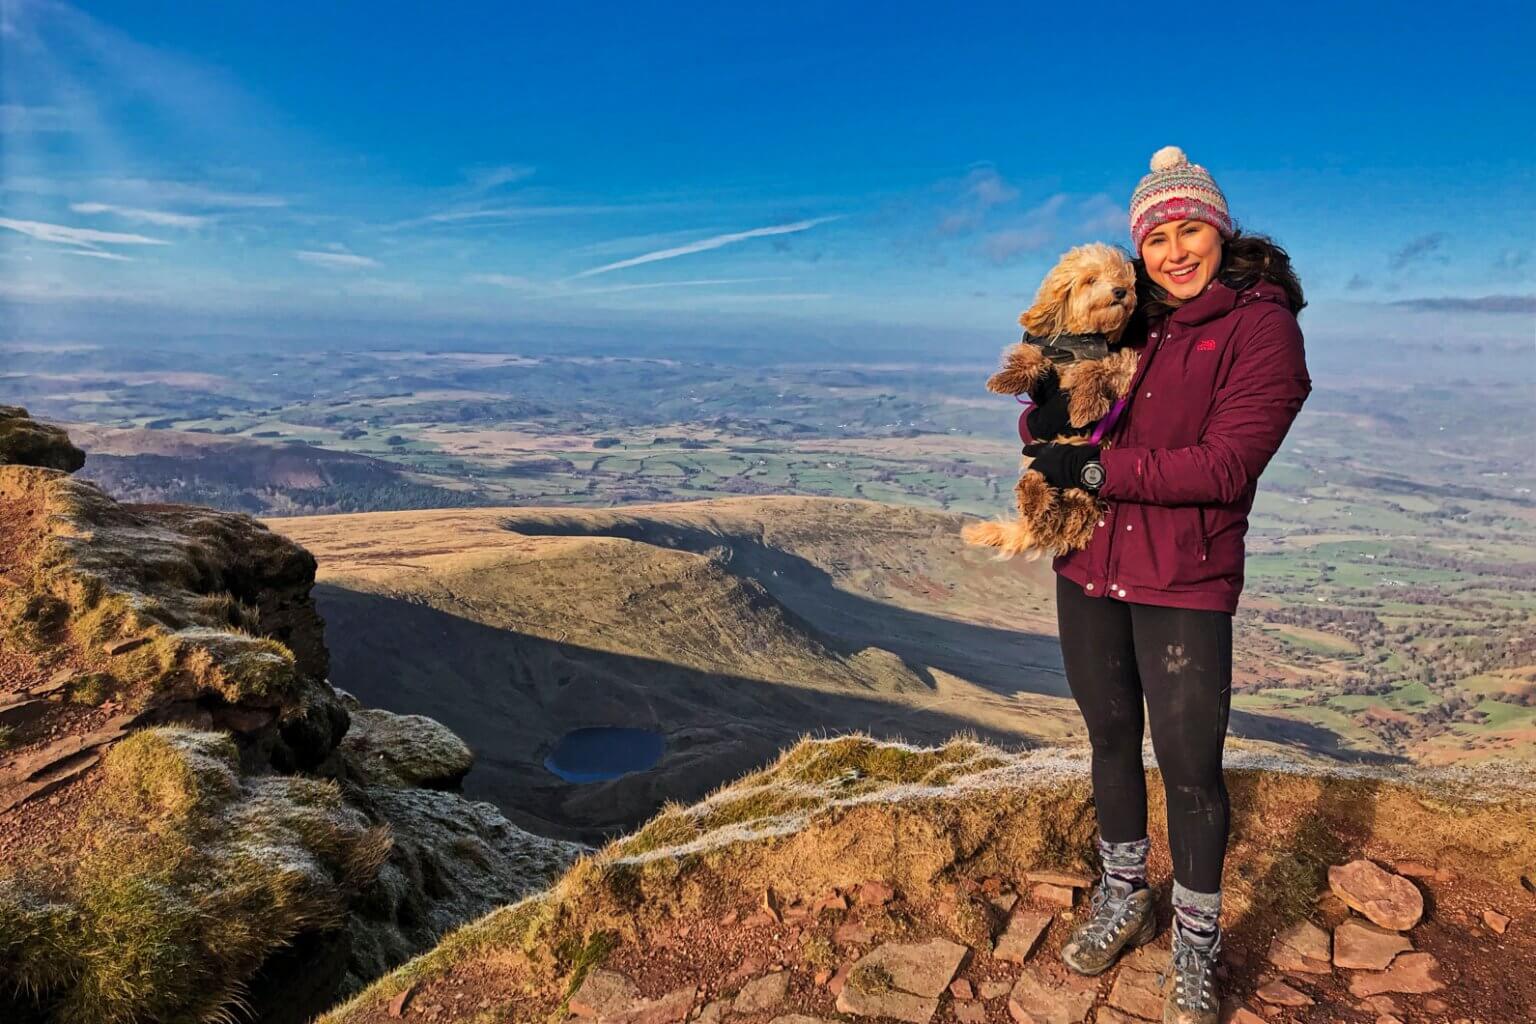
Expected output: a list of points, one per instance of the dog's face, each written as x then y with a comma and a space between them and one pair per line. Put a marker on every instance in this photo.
1091, 290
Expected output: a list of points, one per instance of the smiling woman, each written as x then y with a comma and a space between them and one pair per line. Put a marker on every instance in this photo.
1145, 609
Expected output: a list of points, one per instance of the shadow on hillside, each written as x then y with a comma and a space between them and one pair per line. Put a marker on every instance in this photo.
1312, 738
1005, 661
511, 696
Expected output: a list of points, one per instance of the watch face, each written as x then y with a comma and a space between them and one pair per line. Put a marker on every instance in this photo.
1093, 474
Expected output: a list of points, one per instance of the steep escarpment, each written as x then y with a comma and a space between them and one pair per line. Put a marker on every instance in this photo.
183, 830
726, 629
854, 879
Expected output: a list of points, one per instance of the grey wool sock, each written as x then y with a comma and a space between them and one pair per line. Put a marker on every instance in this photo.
1126, 862
1197, 915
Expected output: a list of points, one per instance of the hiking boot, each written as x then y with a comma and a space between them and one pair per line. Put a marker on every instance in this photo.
1192, 998
1119, 918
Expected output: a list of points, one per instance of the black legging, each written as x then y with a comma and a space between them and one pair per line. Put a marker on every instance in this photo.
1181, 659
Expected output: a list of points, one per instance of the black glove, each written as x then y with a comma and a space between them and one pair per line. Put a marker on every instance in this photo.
1062, 464
1050, 418
1047, 387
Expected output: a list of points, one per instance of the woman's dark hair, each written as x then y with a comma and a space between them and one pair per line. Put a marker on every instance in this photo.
1245, 259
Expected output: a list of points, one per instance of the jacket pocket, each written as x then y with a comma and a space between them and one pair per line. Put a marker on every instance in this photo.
1187, 561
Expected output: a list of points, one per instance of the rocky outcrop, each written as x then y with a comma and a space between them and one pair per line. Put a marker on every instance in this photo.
26, 442
386, 749
184, 876
181, 826
453, 859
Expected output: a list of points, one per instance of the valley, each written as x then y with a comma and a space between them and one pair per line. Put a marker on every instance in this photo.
534, 506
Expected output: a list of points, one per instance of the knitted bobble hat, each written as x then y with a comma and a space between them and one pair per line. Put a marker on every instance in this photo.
1176, 190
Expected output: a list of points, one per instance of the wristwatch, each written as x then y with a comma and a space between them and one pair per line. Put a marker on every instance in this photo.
1092, 476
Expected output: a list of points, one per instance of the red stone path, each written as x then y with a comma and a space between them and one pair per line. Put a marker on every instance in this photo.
1473, 972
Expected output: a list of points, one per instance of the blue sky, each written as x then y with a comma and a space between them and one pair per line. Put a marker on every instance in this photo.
900, 168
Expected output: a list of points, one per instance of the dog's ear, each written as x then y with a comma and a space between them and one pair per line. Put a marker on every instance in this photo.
1046, 316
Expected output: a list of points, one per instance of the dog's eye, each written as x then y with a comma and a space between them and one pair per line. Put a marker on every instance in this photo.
1089, 281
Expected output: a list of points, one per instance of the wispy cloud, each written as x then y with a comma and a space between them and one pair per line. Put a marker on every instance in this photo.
484, 179
86, 237
15, 119
706, 244
560, 289
1512, 259
507, 214
1484, 304
512, 282
99, 254
128, 213
1425, 247
703, 282
1058, 219
148, 191
977, 193
335, 260
1005, 246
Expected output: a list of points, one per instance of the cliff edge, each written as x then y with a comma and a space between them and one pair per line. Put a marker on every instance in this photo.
193, 822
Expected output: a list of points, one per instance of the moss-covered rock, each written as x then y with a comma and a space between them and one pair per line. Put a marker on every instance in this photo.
26, 442
453, 860
177, 608
186, 877
229, 851
386, 749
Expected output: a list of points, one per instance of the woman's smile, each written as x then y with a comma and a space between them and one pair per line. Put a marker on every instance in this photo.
1182, 256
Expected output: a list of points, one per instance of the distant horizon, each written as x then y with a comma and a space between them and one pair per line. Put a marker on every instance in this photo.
810, 180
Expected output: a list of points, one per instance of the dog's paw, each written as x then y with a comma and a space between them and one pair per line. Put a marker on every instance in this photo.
1090, 392
1024, 366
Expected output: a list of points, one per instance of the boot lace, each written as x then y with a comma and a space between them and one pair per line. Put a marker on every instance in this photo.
1192, 968
1106, 913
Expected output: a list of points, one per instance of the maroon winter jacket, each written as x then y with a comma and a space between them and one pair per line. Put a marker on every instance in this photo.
1219, 383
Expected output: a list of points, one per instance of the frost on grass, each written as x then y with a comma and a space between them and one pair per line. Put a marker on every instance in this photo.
186, 877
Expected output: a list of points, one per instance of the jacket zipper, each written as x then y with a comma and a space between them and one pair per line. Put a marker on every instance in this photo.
1205, 542
1143, 364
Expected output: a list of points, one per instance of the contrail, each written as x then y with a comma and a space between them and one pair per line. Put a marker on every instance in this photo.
706, 244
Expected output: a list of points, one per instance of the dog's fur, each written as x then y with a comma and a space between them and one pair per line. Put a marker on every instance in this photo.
1078, 296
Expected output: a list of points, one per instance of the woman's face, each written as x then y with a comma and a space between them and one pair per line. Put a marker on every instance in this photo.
1182, 256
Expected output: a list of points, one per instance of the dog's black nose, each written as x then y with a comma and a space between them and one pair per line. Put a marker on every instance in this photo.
1119, 293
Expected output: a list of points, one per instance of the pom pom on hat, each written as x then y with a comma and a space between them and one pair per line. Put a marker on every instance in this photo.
1176, 190
1169, 157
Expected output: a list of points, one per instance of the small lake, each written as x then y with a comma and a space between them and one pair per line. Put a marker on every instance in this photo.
604, 752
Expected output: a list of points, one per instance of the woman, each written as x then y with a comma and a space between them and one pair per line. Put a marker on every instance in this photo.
1145, 610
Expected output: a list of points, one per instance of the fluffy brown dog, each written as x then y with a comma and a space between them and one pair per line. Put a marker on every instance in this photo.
1084, 304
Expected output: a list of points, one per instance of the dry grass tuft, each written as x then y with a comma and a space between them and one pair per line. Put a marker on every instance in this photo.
187, 878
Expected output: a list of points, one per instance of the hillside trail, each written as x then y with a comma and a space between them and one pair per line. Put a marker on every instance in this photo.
986, 952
